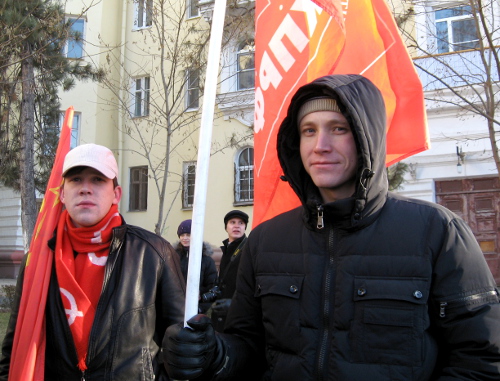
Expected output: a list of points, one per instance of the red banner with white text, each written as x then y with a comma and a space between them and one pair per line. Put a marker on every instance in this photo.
299, 41
28, 351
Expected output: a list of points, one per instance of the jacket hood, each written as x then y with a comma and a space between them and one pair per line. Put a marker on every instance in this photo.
363, 106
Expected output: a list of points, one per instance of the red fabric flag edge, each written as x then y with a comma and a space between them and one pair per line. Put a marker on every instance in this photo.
28, 351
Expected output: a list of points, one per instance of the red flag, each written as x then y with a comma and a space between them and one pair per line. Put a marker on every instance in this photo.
28, 351
301, 41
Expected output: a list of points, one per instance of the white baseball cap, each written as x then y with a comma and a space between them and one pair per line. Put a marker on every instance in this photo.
94, 156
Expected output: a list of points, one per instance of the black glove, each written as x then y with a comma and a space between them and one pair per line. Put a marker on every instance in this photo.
189, 353
221, 306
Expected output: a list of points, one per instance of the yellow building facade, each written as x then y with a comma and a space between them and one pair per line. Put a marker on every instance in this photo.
148, 110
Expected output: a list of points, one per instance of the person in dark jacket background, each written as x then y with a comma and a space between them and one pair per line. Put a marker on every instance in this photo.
114, 288
235, 224
356, 284
208, 272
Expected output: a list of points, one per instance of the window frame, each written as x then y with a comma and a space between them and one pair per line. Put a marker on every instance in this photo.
144, 92
453, 46
143, 12
242, 52
138, 189
239, 179
188, 183
71, 42
192, 90
192, 9
75, 127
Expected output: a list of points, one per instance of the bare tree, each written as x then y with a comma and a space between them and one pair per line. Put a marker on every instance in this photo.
459, 60
166, 112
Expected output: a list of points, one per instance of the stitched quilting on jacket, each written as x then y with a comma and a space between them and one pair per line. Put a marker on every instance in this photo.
385, 288
142, 294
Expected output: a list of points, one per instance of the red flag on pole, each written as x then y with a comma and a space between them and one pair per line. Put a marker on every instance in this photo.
28, 351
299, 41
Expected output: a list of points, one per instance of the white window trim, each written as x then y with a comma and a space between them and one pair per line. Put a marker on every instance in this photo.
185, 183
188, 88
143, 91
84, 29
449, 21
425, 22
237, 104
188, 10
238, 52
237, 179
75, 127
144, 15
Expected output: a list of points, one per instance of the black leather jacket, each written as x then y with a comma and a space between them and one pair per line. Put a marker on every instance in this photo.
142, 294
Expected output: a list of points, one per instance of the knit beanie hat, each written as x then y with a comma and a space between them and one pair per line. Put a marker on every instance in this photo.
184, 227
317, 104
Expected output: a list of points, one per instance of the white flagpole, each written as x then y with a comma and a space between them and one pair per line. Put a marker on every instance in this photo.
205, 142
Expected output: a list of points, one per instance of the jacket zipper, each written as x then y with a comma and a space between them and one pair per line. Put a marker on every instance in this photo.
326, 307
451, 303
83, 376
320, 224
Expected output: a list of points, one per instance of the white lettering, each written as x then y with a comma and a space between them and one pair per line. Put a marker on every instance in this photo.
311, 10
268, 73
298, 39
259, 110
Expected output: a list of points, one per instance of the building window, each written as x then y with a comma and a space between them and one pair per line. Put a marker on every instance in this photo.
189, 177
246, 65
193, 88
74, 43
143, 14
455, 29
192, 8
141, 96
244, 176
75, 128
138, 188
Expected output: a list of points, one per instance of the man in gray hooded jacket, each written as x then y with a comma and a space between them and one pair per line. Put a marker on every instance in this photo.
356, 284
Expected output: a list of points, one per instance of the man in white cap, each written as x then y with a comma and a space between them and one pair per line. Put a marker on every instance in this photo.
114, 287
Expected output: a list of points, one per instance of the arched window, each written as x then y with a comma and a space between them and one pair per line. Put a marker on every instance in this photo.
244, 176
246, 65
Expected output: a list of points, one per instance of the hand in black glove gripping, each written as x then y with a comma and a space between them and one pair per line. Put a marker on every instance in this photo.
188, 353
221, 305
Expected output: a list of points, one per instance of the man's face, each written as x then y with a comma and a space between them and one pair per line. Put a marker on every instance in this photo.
88, 196
185, 239
329, 155
235, 228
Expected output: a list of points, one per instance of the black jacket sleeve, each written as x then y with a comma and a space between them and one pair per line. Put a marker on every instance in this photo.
465, 309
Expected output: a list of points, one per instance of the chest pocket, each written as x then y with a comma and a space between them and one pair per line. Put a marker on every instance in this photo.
390, 319
280, 296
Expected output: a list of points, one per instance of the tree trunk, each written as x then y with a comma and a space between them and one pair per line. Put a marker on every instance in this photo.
27, 163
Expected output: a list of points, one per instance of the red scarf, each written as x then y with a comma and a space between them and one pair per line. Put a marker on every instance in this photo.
80, 277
